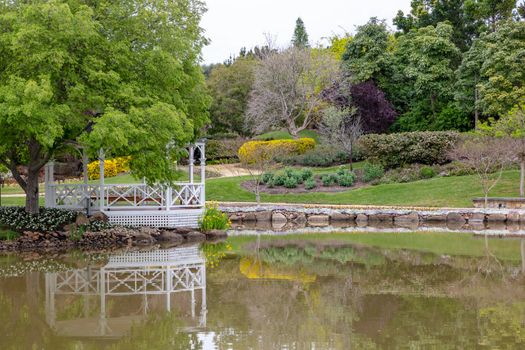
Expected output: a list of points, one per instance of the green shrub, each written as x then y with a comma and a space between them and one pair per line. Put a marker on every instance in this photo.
321, 156
408, 174
457, 169
310, 183
271, 183
372, 171
16, 218
290, 182
346, 179
214, 219
329, 180
426, 172
279, 179
394, 150
267, 177
307, 174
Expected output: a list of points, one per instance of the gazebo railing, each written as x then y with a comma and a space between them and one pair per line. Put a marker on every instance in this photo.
125, 196
72, 196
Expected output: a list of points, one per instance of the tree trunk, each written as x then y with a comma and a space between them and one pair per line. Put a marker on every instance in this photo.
476, 112
32, 205
294, 133
257, 194
522, 176
351, 162
433, 105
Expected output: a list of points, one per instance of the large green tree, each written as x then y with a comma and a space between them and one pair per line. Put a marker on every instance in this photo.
468, 77
468, 18
503, 69
367, 55
230, 88
425, 61
119, 75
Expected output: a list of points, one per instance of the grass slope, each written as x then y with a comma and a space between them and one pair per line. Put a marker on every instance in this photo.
454, 191
285, 135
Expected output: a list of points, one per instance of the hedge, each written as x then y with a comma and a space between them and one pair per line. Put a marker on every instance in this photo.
223, 149
249, 149
423, 147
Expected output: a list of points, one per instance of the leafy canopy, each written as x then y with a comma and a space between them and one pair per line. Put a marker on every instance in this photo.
120, 75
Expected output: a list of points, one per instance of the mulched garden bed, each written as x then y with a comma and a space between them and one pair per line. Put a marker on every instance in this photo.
250, 186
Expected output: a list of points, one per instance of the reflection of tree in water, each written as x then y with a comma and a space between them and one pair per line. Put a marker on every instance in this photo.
362, 297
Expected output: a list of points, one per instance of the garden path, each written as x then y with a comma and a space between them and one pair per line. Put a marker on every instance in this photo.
229, 170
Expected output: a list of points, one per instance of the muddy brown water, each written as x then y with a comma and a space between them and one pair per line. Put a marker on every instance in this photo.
271, 295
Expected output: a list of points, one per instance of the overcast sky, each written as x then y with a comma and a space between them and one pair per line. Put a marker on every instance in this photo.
232, 24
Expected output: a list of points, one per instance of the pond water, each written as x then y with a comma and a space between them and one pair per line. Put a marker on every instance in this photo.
317, 291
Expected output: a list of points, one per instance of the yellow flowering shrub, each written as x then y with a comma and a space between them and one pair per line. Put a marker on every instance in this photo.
110, 169
252, 149
122, 164
214, 219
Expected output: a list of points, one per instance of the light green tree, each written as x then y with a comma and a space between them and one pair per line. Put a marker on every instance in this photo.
300, 36
428, 57
367, 54
503, 71
118, 75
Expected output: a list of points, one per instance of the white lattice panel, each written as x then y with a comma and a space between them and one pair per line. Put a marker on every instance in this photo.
167, 219
175, 255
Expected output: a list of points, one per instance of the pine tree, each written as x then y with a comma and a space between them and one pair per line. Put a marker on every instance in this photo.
300, 36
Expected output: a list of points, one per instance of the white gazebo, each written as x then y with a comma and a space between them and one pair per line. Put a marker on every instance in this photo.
139, 204
125, 290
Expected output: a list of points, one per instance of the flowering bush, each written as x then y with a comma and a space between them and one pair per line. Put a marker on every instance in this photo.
282, 147
17, 219
214, 219
112, 167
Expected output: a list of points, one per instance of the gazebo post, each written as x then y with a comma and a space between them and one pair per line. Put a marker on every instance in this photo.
191, 162
203, 170
85, 161
101, 158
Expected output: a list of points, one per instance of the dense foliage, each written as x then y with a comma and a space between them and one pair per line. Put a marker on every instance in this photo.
17, 219
112, 74
230, 86
449, 66
395, 150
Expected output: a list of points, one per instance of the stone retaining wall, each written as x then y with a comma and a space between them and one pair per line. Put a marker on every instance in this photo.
279, 218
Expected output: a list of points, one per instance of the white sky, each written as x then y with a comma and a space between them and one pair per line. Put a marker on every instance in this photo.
232, 24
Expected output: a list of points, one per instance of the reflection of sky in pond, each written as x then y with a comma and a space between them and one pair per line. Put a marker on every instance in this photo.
269, 293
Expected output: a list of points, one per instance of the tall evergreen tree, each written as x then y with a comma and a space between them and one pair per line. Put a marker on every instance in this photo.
300, 36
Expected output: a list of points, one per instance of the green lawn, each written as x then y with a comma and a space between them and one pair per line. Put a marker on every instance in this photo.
17, 201
454, 191
285, 135
453, 244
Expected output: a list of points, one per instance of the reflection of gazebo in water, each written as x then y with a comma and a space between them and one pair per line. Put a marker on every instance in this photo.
123, 292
